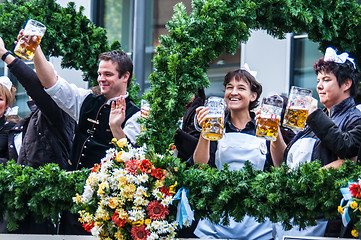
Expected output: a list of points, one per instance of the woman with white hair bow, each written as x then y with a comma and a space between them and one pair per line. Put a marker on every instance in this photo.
337, 85
7, 98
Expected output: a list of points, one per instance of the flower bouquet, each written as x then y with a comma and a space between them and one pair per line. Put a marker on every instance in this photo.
129, 195
352, 210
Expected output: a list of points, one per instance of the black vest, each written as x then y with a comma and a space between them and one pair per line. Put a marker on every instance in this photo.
93, 135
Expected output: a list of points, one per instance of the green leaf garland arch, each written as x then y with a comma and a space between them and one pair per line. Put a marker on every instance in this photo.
215, 26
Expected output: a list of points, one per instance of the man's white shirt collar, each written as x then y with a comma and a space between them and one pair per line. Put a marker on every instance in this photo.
115, 98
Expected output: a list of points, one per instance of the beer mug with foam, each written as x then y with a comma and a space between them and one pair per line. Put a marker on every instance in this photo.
32, 35
270, 117
213, 126
299, 102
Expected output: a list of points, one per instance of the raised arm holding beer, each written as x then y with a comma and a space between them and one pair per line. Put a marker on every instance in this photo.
100, 118
237, 145
337, 84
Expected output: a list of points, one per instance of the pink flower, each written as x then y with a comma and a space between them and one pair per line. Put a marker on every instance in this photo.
132, 166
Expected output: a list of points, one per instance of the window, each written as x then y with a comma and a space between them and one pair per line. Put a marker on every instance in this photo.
305, 54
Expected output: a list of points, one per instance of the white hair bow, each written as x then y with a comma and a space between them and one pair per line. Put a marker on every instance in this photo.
246, 68
331, 55
4, 80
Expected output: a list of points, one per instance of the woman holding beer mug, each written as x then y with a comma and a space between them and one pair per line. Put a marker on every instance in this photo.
238, 145
7, 98
337, 85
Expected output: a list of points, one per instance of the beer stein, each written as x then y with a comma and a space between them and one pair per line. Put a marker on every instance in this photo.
270, 117
32, 35
213, 126
299, 102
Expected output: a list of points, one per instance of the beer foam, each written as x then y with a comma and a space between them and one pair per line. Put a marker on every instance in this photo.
33, 31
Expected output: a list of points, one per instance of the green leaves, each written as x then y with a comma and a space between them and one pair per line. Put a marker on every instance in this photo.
302, 194
44, 192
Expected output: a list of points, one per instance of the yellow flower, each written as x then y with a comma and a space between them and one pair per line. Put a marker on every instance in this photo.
118, 157
147, 221
114, 140
122, 214
354, 233
122, 181
102, 187
354, 205
171, 188
113, 202
119, 236
77, 198
340, 209
138, 223
123, 142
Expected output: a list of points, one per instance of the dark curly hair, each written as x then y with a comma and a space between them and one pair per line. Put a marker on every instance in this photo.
123, 61
342, 72
239, 74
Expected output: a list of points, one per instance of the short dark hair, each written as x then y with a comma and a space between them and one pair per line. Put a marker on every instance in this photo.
123, 61
239, 74
342, 72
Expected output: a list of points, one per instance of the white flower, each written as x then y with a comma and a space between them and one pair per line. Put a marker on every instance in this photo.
125, 156
131, 178
92, 179
143, 178
136, 215
87, 195
167, 200
156, 225
95, 231
138, 201
109, 154
141, 190
153, 236
157, 194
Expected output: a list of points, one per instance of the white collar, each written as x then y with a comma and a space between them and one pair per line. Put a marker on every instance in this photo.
115, 98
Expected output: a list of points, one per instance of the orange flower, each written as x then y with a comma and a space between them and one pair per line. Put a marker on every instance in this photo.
156, 210
139, 233
88, 226
132, 166
145, 166
158, 173
96, 167
119, 222
355, 190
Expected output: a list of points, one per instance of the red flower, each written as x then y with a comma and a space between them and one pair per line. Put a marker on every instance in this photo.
132, 166
139, 233
145, 166
156, 210
355, 190
158, 173
96, 167
165, 191
88, 226
119, 222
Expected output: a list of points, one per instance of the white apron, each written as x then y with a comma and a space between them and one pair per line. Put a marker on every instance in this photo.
235, 149
300, 152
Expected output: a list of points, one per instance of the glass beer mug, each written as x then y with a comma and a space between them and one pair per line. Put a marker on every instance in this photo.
213, 126
26, 46
299, 102
270, 116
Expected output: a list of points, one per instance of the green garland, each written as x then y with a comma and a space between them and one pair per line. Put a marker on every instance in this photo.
302, 194
45, 192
